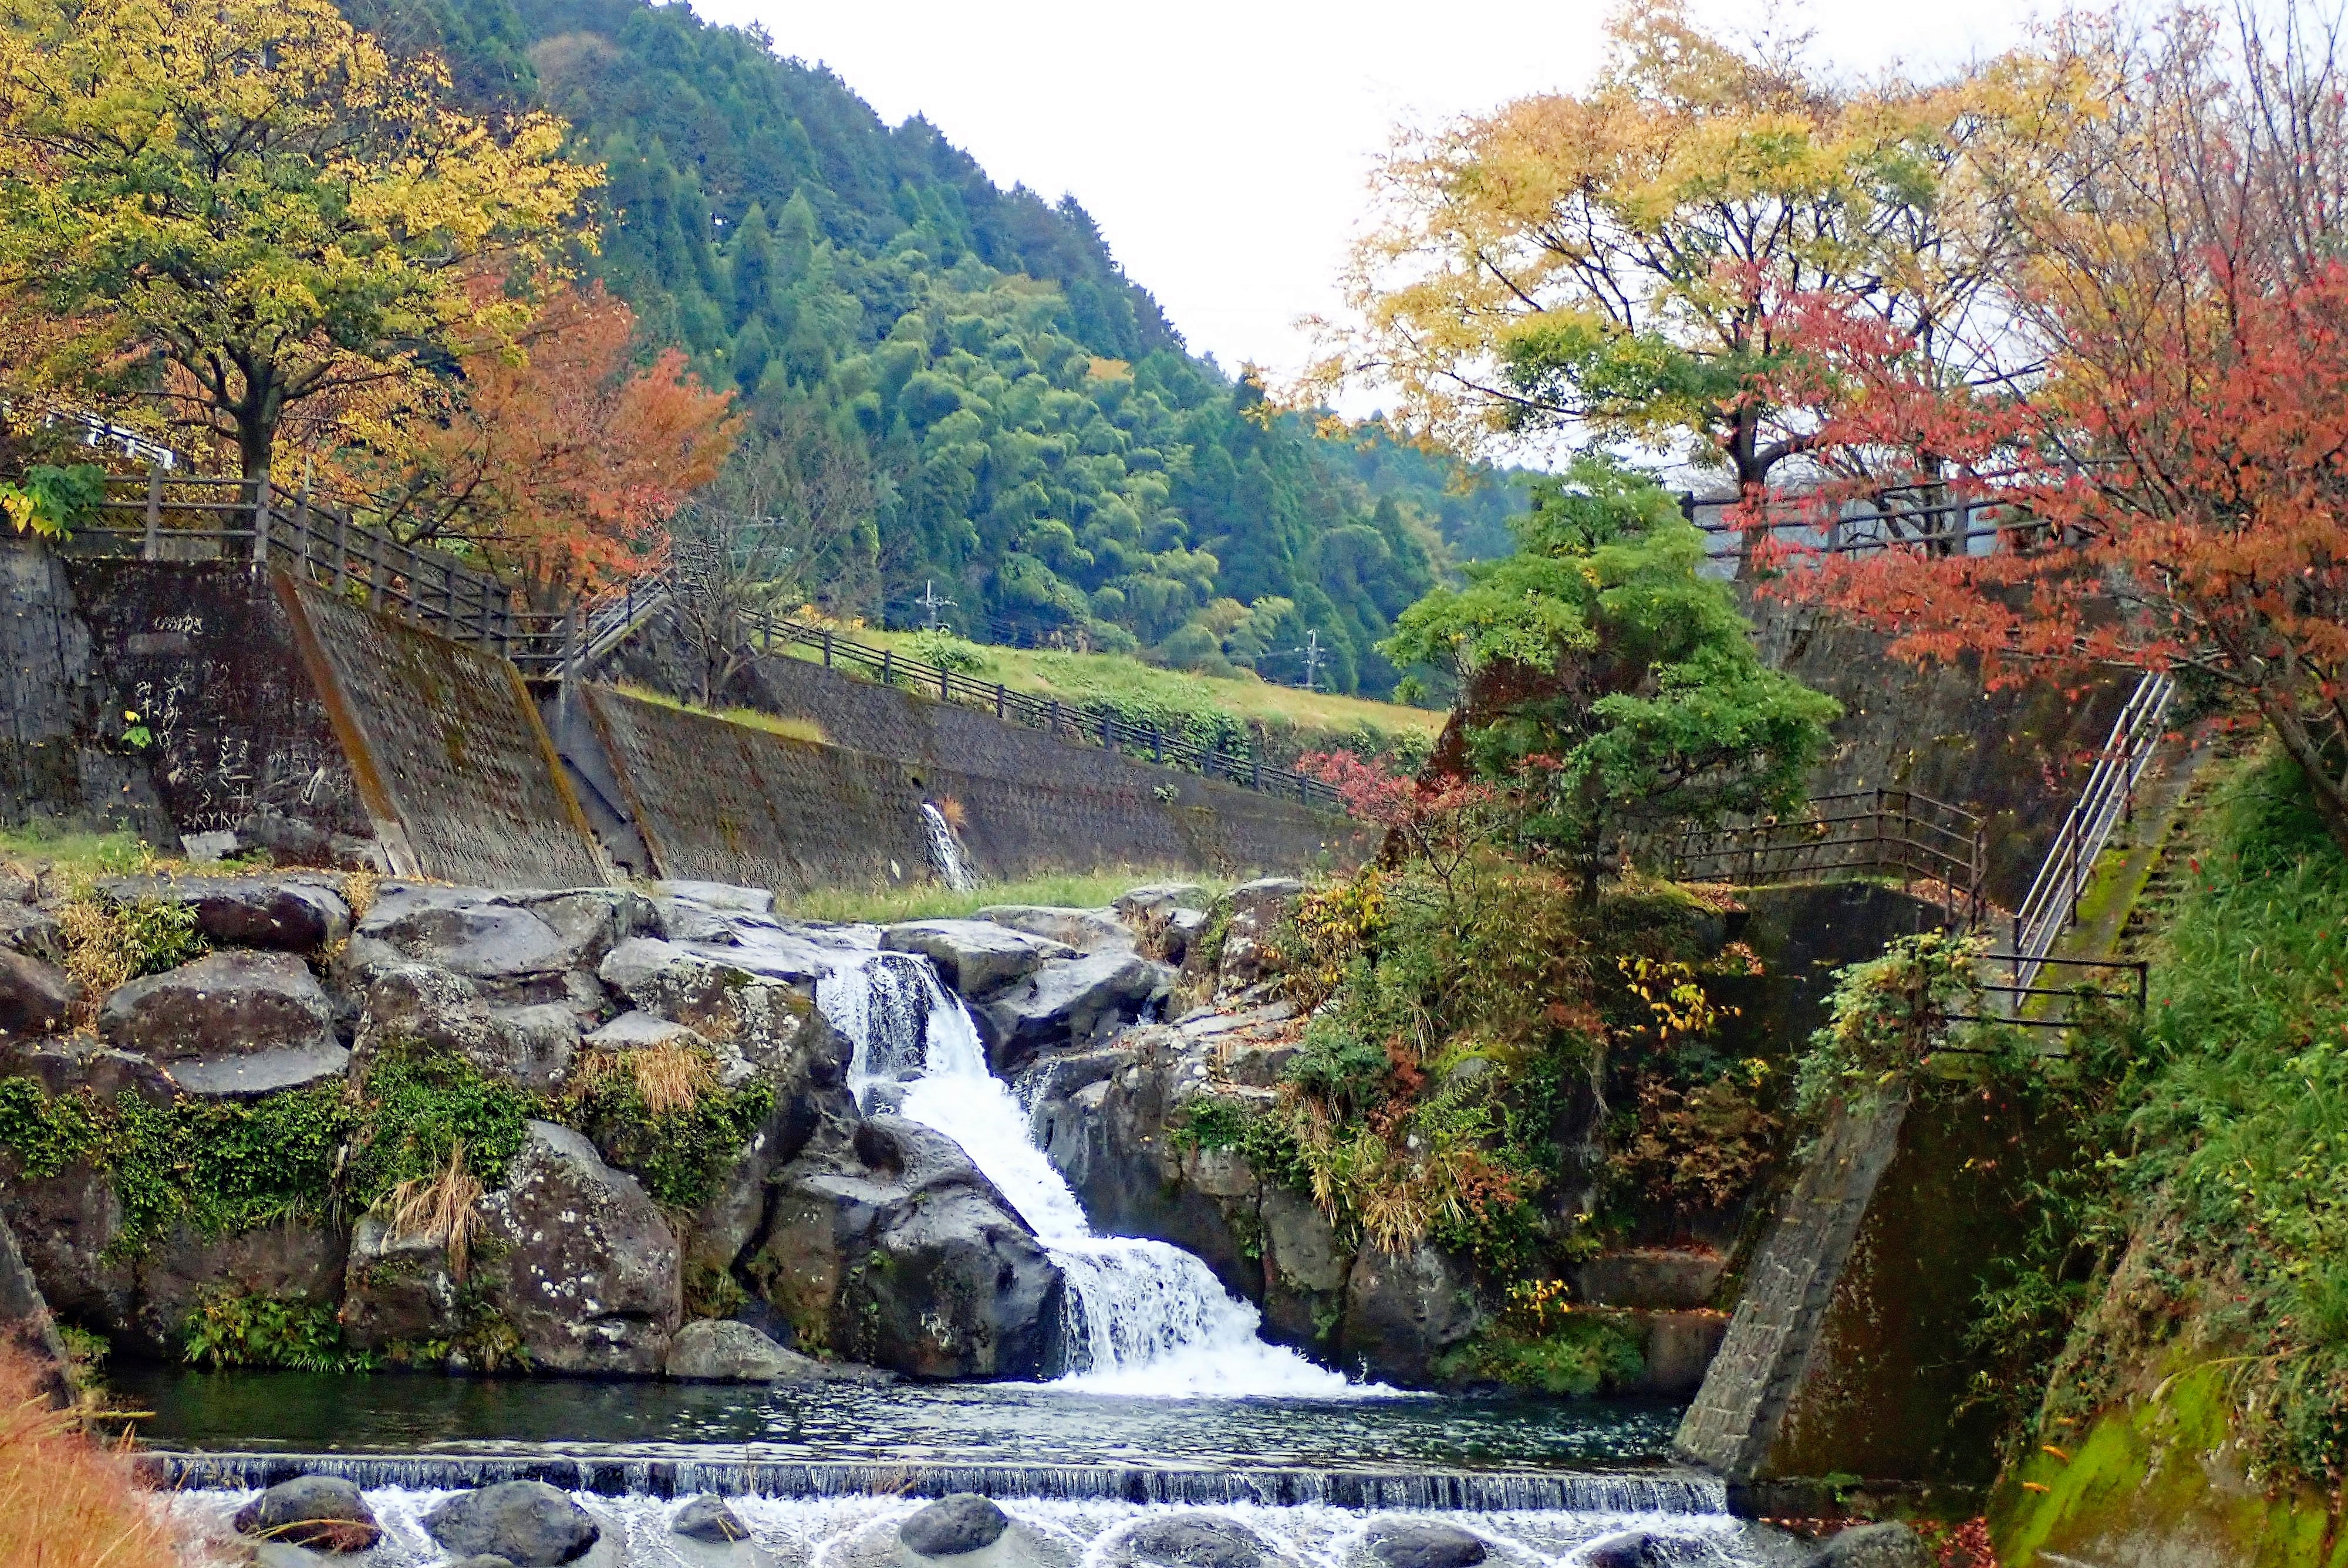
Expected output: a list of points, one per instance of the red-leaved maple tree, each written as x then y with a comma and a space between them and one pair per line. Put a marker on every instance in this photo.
2162, 483
559, 463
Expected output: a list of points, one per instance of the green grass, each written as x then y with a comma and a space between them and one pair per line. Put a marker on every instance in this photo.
885, 905
773, 723
78, 856
1287, 718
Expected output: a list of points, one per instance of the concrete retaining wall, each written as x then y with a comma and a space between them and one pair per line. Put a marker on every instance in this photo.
1847, 1353
56, 760
445, 748
2019, 757
727, 802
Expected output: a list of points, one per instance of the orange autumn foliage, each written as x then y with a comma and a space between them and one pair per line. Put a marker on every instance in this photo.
2172, 470
559, 460
65, 1500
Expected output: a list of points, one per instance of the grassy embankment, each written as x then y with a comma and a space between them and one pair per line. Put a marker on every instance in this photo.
2185, 1298
1077, 890
1285, 720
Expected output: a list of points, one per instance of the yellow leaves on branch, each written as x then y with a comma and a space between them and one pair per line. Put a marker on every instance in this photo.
1612, 260
255, 189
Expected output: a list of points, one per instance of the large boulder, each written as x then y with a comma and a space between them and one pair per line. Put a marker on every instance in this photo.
1305, 1264
1195, 1541
572, 1265
420, 1008
1072, 1002
289, 1260
771, 1022
32, 931
707, 1518
977, 959
1403, 1310
953, 1526
324, 1512
1427, 1545
294, 915
589, 1267
889, 1246
36, 997
231, 1024
527, 1522
1086, 930
720, 1350
508, 953
1249, 915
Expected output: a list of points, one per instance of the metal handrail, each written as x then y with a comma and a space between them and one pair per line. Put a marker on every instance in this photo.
2109, 798
1882, 829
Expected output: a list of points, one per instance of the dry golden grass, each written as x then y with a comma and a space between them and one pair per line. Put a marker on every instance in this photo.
671, 1077
65, 1500
440, 1209
98, 953
791, 729
358, 893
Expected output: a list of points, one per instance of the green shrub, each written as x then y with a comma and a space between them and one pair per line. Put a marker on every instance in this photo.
419, 1107
678, 1152
233, 1329
948, 651
1585, 1353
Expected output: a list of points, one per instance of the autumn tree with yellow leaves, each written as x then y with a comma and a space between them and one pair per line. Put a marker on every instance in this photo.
257, 195
1621, 264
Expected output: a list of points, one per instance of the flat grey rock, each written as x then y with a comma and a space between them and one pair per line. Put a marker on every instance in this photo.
720, 1350
227, 1004
720, 895
1086, 930
1072, 1002
976, 958
294, 915
1875, 1546
260, 1073
469, 932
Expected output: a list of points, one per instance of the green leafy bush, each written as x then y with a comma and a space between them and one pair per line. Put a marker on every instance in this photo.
233, 1329
419, 1107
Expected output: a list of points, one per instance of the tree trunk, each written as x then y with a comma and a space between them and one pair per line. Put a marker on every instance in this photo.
2330, 794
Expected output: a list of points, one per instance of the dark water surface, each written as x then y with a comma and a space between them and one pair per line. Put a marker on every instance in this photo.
1023, 1424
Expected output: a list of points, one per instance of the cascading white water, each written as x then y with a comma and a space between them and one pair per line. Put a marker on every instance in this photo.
1144, 1316
946, 856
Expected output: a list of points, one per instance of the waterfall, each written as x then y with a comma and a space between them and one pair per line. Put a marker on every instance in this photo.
946, 856
1144, 1318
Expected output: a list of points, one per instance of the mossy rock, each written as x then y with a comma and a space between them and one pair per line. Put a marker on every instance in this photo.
2159, 1481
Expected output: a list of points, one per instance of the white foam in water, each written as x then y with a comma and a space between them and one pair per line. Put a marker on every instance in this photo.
1145, 1317
847, 1531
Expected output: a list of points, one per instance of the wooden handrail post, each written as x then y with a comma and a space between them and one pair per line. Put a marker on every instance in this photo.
151, 548
260, 526
302, 524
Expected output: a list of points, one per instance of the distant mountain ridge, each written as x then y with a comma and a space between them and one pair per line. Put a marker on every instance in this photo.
1039, 443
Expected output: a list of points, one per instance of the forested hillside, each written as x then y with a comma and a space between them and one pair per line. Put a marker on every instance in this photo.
1036, 441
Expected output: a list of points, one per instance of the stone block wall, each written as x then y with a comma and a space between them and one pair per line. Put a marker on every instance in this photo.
59, 760
206, 655
1847, 1353
446, 748
2018, 756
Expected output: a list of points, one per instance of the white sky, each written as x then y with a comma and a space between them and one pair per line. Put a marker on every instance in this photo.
1222, 147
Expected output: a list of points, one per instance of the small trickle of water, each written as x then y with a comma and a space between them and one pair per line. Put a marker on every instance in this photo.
946, 856
1144, 1316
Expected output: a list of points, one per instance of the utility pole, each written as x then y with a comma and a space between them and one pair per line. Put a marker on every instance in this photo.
1311, 652
931, 602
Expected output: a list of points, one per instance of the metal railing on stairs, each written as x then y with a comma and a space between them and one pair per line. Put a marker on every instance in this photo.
2107, 800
